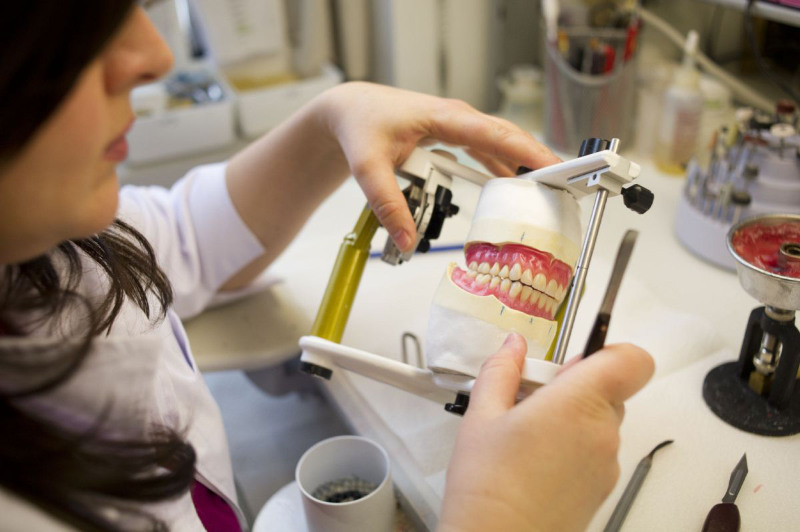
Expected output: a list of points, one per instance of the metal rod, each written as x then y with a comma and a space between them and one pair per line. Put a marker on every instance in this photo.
579, 280
344, 280
580, 274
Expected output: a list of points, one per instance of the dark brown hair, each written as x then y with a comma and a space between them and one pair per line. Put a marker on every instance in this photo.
73, 475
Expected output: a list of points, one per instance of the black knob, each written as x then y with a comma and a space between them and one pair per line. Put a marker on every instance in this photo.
750, 172
593, 145
637, 198
443, 208
317, 371
762, 120
740, 197
460, 406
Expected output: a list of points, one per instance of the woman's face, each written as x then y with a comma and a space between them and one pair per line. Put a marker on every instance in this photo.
63, 183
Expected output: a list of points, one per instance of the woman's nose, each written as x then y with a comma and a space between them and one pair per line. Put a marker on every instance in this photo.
137, 54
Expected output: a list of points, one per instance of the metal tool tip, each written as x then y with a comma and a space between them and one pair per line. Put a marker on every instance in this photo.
659, 446
743, 462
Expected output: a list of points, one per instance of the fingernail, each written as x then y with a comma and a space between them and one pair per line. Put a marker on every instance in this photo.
511, 338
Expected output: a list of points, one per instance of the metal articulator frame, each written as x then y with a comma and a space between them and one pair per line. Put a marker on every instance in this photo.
603, 172
328, 328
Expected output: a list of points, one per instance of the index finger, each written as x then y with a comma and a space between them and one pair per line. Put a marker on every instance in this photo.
491, 135
377, 180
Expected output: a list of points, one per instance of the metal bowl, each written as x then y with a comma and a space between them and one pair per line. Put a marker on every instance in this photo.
771, 289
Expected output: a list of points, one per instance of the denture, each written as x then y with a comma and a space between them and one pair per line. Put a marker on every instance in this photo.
519, 258
526, 279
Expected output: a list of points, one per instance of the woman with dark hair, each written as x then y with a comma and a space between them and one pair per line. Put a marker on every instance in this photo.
106, 422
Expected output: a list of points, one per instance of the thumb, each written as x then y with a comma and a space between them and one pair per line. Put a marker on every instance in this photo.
495, 389
615, 373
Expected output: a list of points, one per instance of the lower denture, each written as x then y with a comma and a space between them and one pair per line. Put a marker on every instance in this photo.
506, 257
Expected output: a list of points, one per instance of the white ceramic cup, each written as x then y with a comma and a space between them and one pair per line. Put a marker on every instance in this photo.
344, 457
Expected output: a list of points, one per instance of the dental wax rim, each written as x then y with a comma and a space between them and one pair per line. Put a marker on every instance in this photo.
515, 211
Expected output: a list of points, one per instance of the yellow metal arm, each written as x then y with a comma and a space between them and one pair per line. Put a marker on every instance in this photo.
345, 278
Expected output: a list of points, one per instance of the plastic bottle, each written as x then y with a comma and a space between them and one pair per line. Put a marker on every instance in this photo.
681, 113
717, 114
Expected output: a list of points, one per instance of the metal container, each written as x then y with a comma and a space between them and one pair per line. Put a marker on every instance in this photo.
769, 288
578, 105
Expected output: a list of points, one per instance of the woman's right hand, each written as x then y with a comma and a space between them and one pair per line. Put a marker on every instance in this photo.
548, 462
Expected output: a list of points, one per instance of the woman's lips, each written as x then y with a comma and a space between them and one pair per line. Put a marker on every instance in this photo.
118, 149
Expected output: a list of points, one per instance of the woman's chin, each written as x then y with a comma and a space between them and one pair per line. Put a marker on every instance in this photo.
102, 213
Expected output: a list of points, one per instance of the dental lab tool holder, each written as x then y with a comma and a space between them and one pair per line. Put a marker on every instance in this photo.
759, 393
757, 173
598, 169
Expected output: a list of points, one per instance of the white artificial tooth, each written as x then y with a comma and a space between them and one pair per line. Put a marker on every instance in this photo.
484, 267
483, 278
527, 278
494, 282
471, 274
515, 273
562, 293
552, 288
534, 297
540, 282
495, 269
473, 266
526, 293
505, 285
504, 271
542, 300
550, 306
516, 288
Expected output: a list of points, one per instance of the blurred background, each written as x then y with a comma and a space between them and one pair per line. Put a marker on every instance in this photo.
244, 65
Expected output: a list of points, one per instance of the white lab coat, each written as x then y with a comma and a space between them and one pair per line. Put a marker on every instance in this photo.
147, 370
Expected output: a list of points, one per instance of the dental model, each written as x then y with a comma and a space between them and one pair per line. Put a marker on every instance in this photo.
520, 254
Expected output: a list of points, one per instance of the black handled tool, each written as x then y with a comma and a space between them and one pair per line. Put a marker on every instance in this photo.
724, 516
597, 337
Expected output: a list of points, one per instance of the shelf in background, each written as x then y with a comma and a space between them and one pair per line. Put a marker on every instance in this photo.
768, 10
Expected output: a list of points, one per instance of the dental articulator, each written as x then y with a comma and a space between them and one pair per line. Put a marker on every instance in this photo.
527, 262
